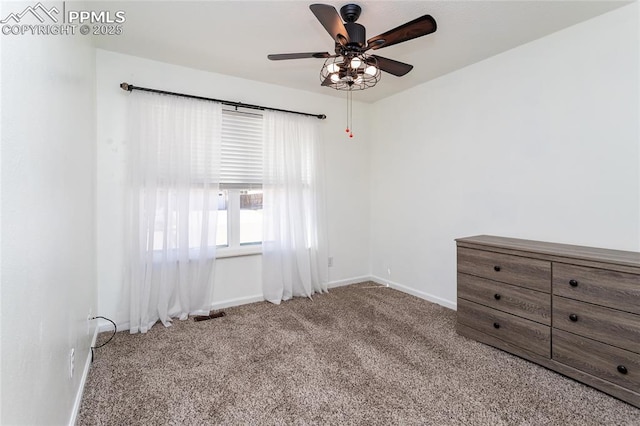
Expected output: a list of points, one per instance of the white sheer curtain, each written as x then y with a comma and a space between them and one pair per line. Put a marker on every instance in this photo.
294, 254
172, 206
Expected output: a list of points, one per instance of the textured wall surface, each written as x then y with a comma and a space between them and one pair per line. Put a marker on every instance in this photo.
48, 224
540, 142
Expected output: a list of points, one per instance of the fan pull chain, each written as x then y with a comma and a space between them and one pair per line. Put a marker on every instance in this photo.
347, 129
351, 112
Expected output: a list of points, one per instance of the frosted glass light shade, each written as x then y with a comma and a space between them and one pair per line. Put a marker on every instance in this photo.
371, 70
333, 67
355, 62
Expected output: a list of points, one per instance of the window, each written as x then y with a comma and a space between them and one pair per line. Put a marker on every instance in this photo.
239, 198
239, 228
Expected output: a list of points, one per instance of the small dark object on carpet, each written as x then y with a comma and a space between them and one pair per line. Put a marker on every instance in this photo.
211, 315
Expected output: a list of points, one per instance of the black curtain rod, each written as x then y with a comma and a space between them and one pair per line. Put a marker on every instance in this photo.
129, 87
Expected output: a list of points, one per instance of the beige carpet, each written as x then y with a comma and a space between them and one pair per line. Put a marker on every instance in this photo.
357, 355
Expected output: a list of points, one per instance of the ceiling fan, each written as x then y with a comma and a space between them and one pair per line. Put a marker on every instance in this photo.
351, 68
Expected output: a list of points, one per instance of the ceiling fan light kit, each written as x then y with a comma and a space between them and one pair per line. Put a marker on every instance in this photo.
357, 72
351, 68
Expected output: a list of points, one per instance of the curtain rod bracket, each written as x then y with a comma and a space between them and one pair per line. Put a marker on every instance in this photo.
130, 87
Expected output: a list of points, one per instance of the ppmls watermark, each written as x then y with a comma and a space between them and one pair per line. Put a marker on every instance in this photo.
40, 20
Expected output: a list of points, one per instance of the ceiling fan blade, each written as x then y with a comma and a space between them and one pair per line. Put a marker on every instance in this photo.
331, 21
281, 56
417, 28
392, 67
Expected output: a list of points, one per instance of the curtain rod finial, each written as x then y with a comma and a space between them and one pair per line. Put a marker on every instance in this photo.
322, 116
125, 86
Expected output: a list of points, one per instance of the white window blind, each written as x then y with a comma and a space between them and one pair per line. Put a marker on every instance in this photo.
241, 150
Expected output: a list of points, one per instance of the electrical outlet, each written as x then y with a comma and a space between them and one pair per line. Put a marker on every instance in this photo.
72, 362
330, 261
89, 318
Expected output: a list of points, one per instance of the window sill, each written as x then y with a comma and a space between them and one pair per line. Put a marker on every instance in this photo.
252, 250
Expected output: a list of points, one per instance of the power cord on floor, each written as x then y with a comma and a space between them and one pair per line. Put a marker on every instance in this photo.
115, 329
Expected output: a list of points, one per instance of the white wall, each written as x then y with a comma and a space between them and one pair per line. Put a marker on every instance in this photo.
48, 224
237, 280
540, 142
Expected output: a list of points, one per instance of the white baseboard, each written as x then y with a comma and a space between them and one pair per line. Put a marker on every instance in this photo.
83, 380
238, 301
426, 296
107, 326
259, 297
348, 281
104, 325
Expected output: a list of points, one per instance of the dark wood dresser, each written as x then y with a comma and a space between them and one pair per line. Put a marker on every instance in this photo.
572, 309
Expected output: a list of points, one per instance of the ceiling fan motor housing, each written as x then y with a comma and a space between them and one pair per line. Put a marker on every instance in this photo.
357, 34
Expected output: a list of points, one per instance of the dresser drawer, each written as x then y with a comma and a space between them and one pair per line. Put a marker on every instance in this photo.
521, 271
607, 362
526, 334
617, 290
606, 325
530, 304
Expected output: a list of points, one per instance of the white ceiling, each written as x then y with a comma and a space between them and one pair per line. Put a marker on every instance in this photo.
234, 37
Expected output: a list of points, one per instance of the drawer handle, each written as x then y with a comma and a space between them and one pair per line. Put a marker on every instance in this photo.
622, 369
573, 317
497, 268
497, 296
573, 283
496, 325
